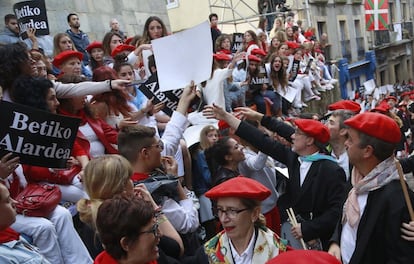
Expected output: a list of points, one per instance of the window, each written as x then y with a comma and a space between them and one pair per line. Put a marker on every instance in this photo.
345, 42
382, 78
391, 12
359, 40
397, 72
321, 27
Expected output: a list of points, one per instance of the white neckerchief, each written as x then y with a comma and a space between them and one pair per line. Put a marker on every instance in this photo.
247, 255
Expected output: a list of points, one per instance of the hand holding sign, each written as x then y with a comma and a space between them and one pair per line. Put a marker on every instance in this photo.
8, 164
189, 93
31, 15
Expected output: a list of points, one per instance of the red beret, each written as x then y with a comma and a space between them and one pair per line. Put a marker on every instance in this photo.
313, 128
121, 48
376, 125
383, 107
345, 105
258, 52
223, 125
241, 187
221, 57
64, 55
406, 93
304, 257
94, 45
128, 40
293, 45
308, 34
391, 98
253, 58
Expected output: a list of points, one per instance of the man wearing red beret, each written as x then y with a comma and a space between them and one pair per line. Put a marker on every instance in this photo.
370, 228
315, 188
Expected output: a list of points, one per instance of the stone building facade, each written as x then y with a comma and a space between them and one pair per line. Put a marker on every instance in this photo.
94, 15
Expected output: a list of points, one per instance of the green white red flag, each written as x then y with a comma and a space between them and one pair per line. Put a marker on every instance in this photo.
376, 14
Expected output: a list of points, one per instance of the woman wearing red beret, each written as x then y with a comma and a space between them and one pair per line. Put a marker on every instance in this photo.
62, 42
245, 237
96, 52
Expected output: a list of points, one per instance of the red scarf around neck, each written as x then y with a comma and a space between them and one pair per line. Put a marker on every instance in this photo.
137, 176
8, 235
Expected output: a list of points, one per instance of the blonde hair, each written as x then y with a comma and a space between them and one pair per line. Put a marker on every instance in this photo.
103, 178
56, 40
204, 143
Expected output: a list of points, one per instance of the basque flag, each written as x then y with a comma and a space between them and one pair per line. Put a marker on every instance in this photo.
376, 14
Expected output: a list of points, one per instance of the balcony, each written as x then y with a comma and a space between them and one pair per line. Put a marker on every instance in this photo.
407, 30
382, 37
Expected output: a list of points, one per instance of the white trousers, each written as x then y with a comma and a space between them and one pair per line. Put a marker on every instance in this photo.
55, 237
74, 191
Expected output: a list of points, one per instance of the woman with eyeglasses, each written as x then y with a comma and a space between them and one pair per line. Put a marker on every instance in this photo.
245, 237
128, 230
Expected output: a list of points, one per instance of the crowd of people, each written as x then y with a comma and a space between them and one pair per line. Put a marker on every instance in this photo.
250, 177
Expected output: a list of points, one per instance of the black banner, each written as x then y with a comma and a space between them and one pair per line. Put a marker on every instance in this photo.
32, 14
237, 42
170, 98
257, 81
39, 138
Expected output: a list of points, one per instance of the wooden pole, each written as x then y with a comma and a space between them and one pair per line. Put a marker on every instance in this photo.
405, 191
294, 222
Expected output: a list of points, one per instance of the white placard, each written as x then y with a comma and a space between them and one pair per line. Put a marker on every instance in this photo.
398, 30
183, 57
369, 86
390, 88
383, 89
289, 93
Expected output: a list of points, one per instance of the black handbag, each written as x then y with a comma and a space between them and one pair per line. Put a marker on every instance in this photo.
161, 187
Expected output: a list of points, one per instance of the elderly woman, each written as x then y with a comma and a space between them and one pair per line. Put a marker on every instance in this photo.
62, 42
128, 230
245, 238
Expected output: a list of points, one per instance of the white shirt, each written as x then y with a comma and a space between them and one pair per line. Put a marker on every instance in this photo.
343, 162
247, 255
349, 234
97, 149
304, 168
213, 92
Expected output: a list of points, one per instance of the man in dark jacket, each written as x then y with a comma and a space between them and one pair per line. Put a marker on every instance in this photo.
316, 186
215, 32
375, 208
79, 38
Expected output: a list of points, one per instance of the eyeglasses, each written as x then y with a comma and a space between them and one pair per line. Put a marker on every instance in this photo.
154, 230
230, 213
159, 145
299, 132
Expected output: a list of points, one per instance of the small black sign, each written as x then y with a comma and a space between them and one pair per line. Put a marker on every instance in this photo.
170, 99
32, 14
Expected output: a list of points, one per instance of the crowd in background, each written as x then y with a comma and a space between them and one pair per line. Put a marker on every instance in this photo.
227, 175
